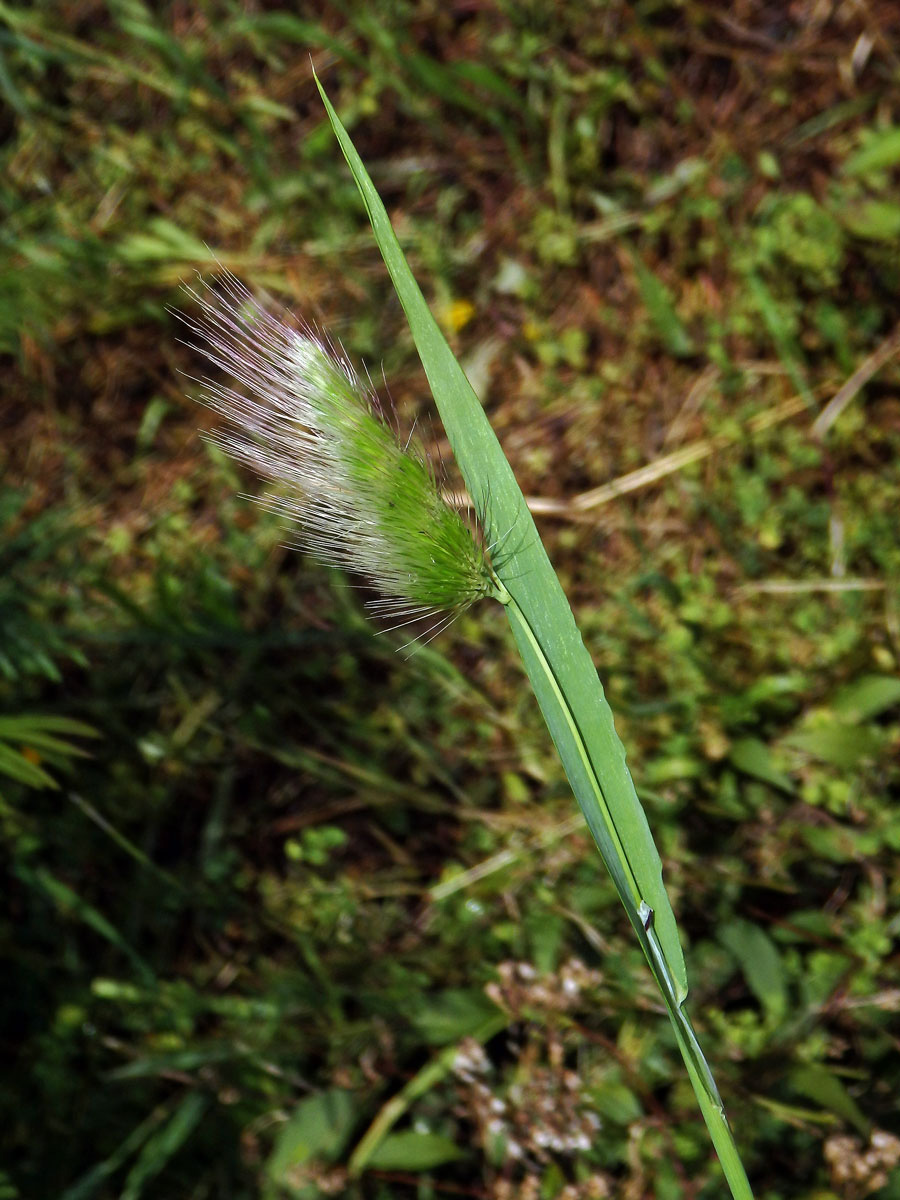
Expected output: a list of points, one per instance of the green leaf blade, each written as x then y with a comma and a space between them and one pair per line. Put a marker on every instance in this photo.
412, 1151
559, 667
758, 958
526, 572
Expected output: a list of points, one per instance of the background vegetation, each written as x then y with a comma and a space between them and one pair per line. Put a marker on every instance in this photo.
289, 915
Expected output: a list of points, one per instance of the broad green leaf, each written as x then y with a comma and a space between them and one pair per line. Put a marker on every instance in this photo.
422, 1082
453, 1014
319, 1127
841, 843
760, 963
872, 220
818, 1083
754, 758
880, 152
867, 697
840, 745
617, 1102
414, 1152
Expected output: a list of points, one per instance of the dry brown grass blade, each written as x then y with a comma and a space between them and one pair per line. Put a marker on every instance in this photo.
667, 464
790, 587
854, 385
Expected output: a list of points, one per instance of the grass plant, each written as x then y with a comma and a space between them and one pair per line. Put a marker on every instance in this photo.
313, 913
559, 668
358, 498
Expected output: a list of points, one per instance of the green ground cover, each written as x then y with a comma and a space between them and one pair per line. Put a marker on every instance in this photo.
305, 917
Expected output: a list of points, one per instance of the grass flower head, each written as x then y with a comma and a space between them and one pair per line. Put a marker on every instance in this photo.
357, 497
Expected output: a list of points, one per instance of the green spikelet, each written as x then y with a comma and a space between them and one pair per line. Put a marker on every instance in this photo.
356, 497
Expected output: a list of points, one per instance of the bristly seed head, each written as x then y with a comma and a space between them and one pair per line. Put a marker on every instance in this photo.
357, 497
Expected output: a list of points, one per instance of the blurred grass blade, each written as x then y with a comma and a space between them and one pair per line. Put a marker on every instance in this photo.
162, 1145
34, 741
32, 727
69, 902
661, 309
786, 346
91, 1182
559, 667
15, 765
